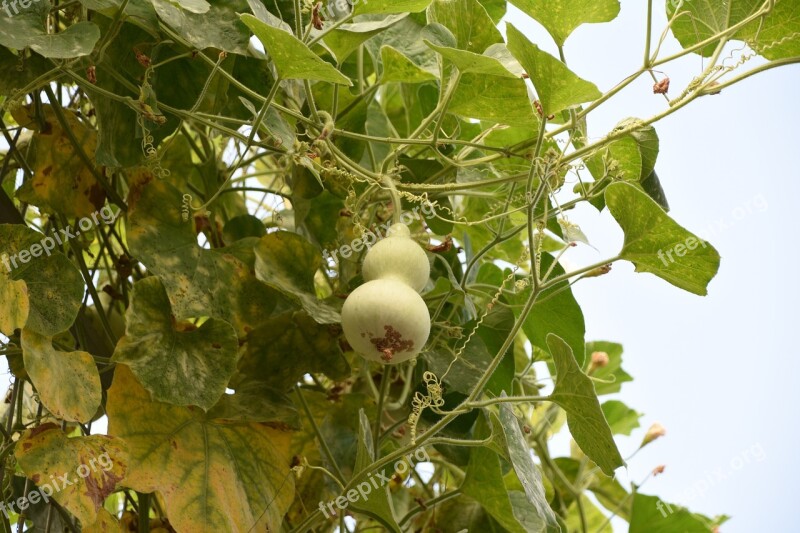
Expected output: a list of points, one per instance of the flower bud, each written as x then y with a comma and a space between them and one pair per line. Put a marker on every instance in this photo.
656, 431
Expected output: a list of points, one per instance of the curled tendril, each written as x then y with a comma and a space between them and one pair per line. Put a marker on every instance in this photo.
419, 402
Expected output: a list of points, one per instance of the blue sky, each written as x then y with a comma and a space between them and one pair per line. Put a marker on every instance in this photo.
720, 372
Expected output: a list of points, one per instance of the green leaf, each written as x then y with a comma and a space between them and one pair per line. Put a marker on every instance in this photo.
774, 36
293, 59
484, 483
139, 12
557, 86
214, 475
470, 62
651, 515
556, 311
45, 454
527, 471
288, 263
346, 39
255, 401
596, 521
561, 17
657, 244
575, 393
468, 21
648, 142
652, 186
218, 27
389, 6
68, 382
777, 36
166, 356
376, 504
494, 99
27, 29
468, 368
621, 418
215, 283
612, 495
287, 347
621, 160
611, 376
193, 6
398, 68
54, 285
242, 227
406, 37
17, 71
495, 8
116, 121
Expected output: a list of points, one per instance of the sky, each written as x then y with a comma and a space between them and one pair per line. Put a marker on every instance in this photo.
719, 372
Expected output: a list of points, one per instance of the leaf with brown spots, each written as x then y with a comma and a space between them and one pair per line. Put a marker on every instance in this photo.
80, 472
215, 475
216, 283
54, 285
166, 357
61, 181
14, 303
68, 382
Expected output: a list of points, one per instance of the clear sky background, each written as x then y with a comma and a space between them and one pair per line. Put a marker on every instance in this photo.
720, 373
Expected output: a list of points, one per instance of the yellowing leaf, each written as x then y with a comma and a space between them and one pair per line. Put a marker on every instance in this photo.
68, 382
14, 303
213, 283
54, 286
105, 523
165, 358
79, 472
214, 475
61, 181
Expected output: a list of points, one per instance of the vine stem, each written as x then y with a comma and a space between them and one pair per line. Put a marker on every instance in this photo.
564, 277
428, 504
323, 443
397, 205
376, 431
649, 35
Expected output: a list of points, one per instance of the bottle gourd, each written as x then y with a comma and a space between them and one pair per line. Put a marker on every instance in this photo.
385, 319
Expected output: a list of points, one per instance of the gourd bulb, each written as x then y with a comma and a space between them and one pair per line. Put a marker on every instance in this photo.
386, 321
398, 257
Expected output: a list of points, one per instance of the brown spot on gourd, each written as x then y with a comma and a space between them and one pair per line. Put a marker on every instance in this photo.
391, 343
216, 345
